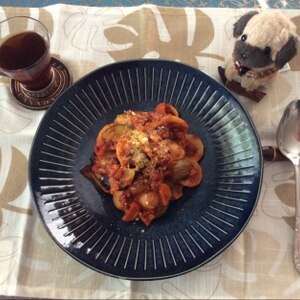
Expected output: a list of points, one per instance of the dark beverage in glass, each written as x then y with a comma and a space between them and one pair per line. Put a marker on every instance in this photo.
37, 78
24, 54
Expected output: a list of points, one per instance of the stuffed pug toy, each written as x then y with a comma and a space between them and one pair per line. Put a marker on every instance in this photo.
265, 42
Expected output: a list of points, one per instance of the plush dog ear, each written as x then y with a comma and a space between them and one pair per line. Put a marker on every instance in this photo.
287, 52
240, 25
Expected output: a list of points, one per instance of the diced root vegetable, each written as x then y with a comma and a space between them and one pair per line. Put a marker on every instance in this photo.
132, 212
148, 200
177, 191
164, 193
147, 217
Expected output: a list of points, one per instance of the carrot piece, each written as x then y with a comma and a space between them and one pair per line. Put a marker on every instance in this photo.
131, 213
164, 193
147, 217
177, 191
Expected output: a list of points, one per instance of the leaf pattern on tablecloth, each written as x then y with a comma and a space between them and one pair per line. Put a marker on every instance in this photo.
85, 32
15, 182
162, 38
295, 62
286, 192
249, 278
44, 270
12, 120
278, 198
290, 221
8, 254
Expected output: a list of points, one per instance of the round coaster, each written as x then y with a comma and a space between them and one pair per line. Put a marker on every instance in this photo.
39, 100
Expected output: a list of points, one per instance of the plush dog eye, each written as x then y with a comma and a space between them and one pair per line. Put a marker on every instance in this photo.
244, 37
267, 51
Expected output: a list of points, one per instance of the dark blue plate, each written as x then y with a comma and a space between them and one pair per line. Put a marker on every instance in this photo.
196, 228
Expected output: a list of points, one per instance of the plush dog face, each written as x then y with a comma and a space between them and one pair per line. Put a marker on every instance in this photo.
264, 39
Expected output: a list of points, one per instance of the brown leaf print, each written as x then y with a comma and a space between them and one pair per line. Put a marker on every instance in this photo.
131, 24
137, 40
44, 16
286, 193
203, 38
290, 221
278, 199
295, 62
124, 36
15, 183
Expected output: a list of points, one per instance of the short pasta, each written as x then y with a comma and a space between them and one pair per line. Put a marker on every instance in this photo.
144, 159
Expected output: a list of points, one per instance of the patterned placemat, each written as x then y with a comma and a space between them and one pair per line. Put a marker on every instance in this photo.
180, 3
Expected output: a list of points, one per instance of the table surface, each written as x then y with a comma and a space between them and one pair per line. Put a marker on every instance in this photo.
259, 264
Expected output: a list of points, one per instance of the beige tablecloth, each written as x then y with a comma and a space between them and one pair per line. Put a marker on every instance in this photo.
259, 264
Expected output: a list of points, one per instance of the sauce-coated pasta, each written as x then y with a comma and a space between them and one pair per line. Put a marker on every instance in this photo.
144, 159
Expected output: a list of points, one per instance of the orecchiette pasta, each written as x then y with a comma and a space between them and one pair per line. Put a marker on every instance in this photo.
144, 159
